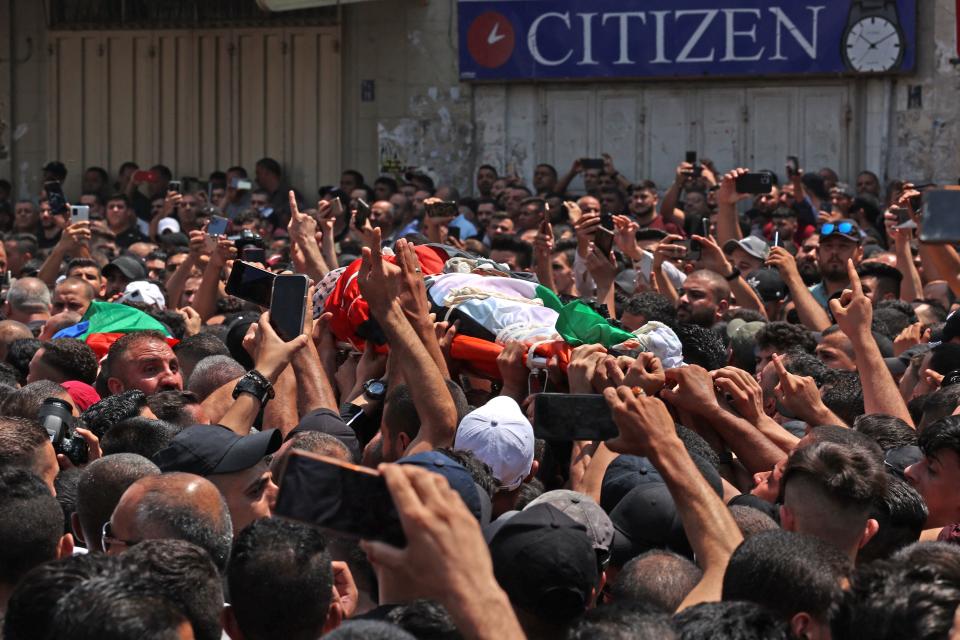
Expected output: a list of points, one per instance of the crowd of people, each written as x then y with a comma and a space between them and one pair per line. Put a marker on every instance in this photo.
759, 434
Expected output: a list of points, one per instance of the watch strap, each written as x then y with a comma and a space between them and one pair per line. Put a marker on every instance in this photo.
733, 275
257, 385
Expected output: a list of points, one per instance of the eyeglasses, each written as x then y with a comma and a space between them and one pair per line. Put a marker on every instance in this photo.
843, 227
107, 540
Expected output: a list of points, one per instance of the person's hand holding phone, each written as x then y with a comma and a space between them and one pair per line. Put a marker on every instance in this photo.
626, 237
170, 204
75, 235
784, 262
712, 256
727, 193
603, 268
670, 249
270, 353
644, 422
199, 246
223, 250
585, 228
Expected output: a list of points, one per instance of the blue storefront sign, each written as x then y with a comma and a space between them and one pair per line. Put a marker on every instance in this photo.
584, 39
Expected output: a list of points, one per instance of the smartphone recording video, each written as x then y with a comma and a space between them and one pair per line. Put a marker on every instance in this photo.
755, 182
288, 305
592, 164
250, 283
217, 226
339, 497
940, 208
175, 186
603, 237
79, 213
565, 416
442, 210
363, 214
58, 202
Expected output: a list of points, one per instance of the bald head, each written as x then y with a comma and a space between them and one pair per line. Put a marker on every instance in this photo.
11, 330
181, 506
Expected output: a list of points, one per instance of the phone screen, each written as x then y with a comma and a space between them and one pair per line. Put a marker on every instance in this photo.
58, 203
363, 214
288, 305
691, 157
592, 163
174, 186
565, 416
603, 238
217, 226
250, 283
338, 496
694, 250
79, 213
940, 208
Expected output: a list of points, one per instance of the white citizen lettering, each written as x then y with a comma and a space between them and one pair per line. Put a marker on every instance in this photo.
809, 46
587, 19
708, 16
733, 34
495, 35
624, 18
532, 39
661, 57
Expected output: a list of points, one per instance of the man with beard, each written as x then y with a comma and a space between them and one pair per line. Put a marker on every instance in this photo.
486, 176
807, 263
643, 208
704, 298
144, 361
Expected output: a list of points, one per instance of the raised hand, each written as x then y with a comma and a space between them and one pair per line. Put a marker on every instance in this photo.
626, 237
645, 424
691, 389
583, 363
379, 281
743, 391
727, 194
712, 256
271, 354
514, 372
853, 311
646, 372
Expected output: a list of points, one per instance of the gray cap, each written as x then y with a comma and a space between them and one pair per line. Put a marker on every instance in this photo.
583, 509
756, 247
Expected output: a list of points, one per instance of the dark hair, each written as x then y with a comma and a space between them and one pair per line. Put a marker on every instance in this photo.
850, 475
617, 622
889, 432
523, 250
527, 493
652, 306
942, 434
320, 443
115, 608
25, 402
400, 414
842, 393
941, 403
368, 630
944, 358
729, 621
19, 354
143, 436
914, 595
783, 336
702, 346
26, 242
73, 358
801, 363
888, 278
901, 514
788, 573
425, 619
29, 614
662, 578
390, 183
280, 580
66, 493
271, 165
119, 197
80, 263
170, 406
111, 410
125, 342
751, 520
100, 486
19, 440
31, 524
479, 470
193, 349
182, 573
890, 321
356, 175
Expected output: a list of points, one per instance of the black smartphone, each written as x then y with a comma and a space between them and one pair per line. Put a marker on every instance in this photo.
363, 214
566, 416
250, 283
174, 186
694, 250
691, 157
58, 202
755, 182
793, 165
940, 216
338, 496
288, 304
592, 163
603, 238
442, 210
217, 226
251, 253
453, 232
79, 213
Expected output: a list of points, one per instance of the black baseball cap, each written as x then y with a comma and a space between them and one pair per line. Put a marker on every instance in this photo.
211, 449
951, 329
459, 478
645, 519
624, 474
131, 268
545, 562
329, 422
768, 284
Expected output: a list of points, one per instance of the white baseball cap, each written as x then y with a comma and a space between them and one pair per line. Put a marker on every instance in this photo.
145, 292
501, 436
167, 224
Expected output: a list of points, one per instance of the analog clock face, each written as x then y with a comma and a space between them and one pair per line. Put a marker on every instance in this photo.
873, 44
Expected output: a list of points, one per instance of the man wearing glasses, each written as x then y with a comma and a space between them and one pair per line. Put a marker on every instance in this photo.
839, 242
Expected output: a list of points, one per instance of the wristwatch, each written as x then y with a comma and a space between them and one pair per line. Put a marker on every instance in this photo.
375, 389
256, 385
733, 275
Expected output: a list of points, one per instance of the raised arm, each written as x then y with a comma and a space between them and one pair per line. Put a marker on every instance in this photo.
647, 429
812, 315
73, 243
712, 258
205, 300
302, 229
728, 222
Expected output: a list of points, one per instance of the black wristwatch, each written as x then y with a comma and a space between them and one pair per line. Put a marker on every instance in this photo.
256, 385
375, 389
733, 275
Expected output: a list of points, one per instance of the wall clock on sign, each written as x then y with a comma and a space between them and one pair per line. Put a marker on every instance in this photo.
873, 41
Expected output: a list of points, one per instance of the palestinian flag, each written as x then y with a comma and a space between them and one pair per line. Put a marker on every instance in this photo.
104, 322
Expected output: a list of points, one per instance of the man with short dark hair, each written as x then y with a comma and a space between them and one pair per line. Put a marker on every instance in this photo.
25, 444
122, 221
73, 294
181, 408
144, 361
517, 255
270, 177
936, 474
62, 360
281, 583
21, 248
486, 176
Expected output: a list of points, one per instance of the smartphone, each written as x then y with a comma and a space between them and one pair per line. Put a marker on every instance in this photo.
940, 217
691, 157
240, 184
363, 214
592, 163
442, 210
757, 182
694, 250
566, 416
174, 186
705, 226
217, 226
58, 203
793, 165
339, 497
288, 304
250, 283
453, 232
336, 207
603, 238
79, 213
145, 176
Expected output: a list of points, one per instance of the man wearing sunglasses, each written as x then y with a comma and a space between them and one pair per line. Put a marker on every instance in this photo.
839, 242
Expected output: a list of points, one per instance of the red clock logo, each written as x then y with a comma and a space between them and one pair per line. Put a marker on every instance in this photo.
490, 39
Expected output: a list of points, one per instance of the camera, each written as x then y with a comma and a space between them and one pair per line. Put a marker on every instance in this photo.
57, 418
249, 238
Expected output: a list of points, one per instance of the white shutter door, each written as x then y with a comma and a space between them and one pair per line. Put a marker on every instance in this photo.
823, 128
720, 127
569, 120
769, 130
666, 133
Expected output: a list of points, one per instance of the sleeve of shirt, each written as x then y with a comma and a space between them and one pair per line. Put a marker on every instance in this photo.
585, 284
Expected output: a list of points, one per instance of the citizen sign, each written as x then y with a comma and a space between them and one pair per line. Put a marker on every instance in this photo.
597, 38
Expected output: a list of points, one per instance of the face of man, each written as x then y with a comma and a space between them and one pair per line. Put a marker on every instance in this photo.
840, 202
697, 303
866, 183
90, 274
529, 217
589, 204
499, 186
786, 225
788, 196
836, 351
591, 179
118, 216
189, 291
544, 179
25, 217
502, 227
419, 197
766, 202
116, 282
744, 261
643, 202
766, 484
156, 269
829, 178
189, 207
512, 200
148, 365
832, 256
49, 220
15, 259
381, 215
259, 201
695, 203
563, 275
508, 258
485, 211
348, 182
250, 494
485, 179
92, 181
935, 478
70, 297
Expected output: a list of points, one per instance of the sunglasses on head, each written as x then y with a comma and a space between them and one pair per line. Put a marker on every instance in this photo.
830, 227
